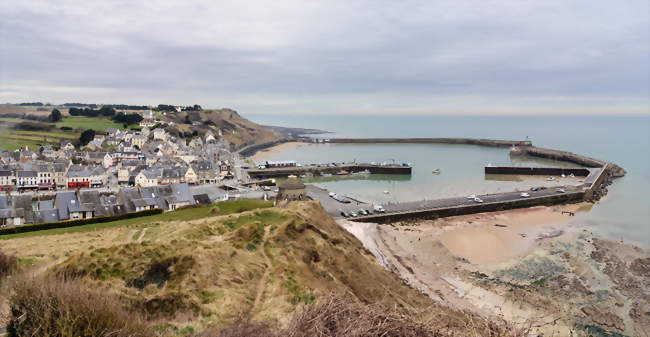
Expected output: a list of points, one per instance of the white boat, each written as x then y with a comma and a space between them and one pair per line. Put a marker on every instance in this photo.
386, 192
436, 171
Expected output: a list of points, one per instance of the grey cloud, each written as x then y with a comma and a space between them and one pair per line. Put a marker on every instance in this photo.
298, 56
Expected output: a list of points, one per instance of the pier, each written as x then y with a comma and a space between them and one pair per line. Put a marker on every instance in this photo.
317, 170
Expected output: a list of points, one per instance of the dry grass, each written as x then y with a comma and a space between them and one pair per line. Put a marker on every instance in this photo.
52, 306
8, 264
339, 316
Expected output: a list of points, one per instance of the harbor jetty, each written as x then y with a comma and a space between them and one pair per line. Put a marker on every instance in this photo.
317, 170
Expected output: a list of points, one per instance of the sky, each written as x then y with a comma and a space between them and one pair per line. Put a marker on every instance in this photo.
332, 57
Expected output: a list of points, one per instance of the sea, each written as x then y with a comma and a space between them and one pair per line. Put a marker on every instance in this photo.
624, 214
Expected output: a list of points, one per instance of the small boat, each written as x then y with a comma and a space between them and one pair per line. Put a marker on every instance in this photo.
386, 192
342, 172
325, 174
436, 171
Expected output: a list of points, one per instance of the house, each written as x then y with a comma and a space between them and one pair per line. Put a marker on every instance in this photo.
45, 177
292, 189
47, 151
86, 177
159, 134
113, 132
209, 138
139, 140
147, 123
205, 172
46, 212
108, 160
196, 142
150, 177
67, 146
70, 207
190, 175
59, 171
27, 179
7, 180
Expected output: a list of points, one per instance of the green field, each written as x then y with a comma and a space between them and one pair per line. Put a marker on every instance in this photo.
13, 139
82, 122
224, 208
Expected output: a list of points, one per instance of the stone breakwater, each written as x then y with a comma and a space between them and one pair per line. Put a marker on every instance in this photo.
467, 141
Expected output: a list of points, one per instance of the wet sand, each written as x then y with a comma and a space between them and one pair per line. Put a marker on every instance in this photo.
500, 237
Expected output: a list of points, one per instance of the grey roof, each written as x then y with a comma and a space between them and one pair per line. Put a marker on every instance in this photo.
6, 173
62, 202
46, 205
202, 199
182, 193
26, 174
51, 215
4, 202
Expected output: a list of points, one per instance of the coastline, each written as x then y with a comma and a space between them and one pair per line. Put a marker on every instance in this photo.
535, 263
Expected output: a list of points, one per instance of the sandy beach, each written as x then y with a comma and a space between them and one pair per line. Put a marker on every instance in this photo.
535, 264
263, 155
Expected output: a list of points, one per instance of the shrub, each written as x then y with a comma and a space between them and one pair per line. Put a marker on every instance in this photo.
53, 306
76, 222
8, 263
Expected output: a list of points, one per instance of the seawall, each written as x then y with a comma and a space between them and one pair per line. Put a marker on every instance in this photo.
542, 171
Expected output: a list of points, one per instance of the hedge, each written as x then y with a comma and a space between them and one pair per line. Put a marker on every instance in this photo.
76, 222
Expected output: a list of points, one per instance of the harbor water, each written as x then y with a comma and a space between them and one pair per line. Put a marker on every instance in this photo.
624, 214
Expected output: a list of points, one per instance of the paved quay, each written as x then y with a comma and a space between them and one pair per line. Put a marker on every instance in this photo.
334, 207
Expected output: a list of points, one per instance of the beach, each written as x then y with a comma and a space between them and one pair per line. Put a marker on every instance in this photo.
528, 264
266, 154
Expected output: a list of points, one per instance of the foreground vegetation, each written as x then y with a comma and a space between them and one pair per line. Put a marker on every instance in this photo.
238, 268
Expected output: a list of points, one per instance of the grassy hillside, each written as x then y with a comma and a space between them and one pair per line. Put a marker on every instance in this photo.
232, 265
235, 128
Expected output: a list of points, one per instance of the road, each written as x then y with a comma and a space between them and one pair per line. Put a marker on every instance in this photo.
334, 207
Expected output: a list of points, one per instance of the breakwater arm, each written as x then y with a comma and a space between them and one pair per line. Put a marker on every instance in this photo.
468, 141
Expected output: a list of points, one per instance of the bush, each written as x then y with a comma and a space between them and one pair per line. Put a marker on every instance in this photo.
52, 306
8, 263
77, 222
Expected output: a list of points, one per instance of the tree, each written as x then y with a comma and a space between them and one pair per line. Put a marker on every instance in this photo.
86, 137
55, 116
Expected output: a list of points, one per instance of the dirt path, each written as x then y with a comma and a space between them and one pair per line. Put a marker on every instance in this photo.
142, 234
131, 234
261, 285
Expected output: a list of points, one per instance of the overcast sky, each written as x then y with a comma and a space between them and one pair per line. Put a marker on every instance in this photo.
388, 57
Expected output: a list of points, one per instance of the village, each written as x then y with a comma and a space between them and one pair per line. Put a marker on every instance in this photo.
119, 172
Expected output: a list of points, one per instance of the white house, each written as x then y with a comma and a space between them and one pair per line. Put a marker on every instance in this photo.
160, 134
108, 160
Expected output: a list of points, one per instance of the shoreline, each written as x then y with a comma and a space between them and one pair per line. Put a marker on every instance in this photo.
550, 274
264, 154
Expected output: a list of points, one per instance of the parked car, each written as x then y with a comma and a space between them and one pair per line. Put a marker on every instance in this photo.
534, 189
352, 214
479, 200
369, 211
379, 208
524, 195
560, 190
344, 214
363, 211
